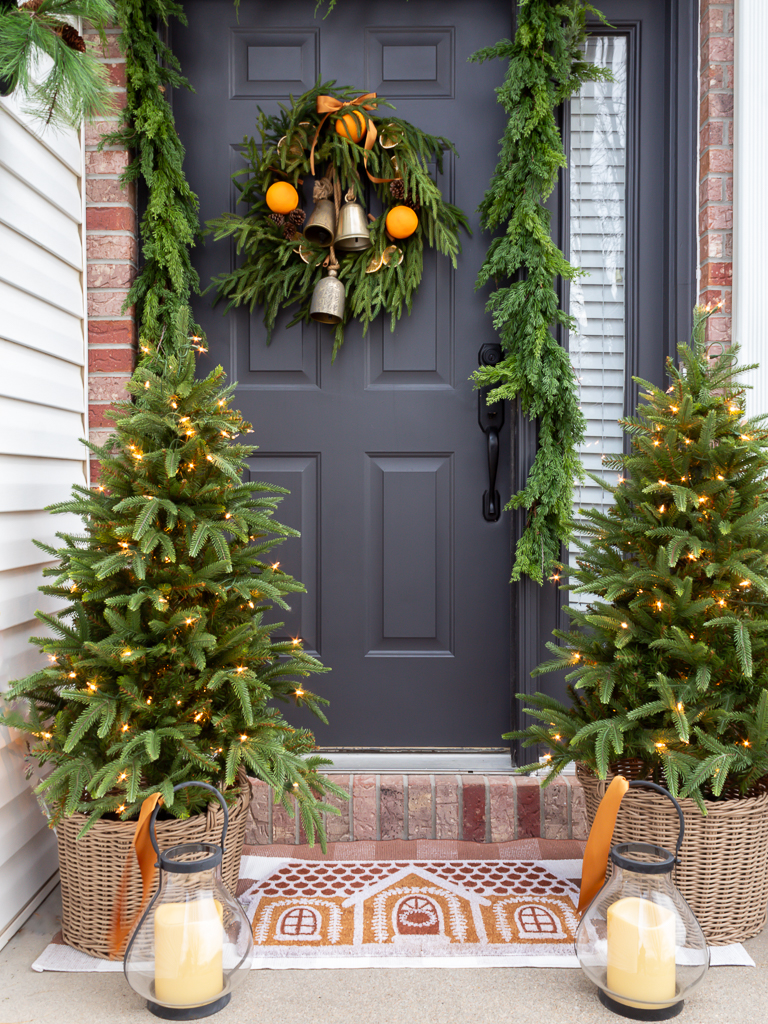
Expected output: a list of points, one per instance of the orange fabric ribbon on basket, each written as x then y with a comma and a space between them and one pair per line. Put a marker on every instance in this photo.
598, 847
328, 105
120, 929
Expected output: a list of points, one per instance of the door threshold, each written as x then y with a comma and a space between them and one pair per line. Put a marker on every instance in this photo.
418, 761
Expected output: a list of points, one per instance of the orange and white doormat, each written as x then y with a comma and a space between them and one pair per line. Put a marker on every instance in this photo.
366, 912
423, 903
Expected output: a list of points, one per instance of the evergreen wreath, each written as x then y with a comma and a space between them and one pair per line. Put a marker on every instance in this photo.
546, 67
279, 266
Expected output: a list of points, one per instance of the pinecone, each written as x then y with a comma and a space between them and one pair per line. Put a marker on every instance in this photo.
277, 218
289, 231
31, 5
296, 217
72, 38
397, 188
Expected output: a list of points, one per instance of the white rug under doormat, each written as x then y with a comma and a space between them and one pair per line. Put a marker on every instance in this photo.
406, 904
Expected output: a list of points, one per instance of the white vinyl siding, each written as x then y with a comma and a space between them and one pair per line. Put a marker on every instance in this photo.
42, 418
597, 161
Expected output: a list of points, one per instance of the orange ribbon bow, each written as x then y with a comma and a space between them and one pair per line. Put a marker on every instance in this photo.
120, 928
599, 842
327, 105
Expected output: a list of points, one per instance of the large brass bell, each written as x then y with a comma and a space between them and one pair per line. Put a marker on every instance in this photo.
321, 226
352, 232
327, 306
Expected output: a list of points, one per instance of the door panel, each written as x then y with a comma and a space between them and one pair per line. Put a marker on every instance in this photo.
409, 576
408, 597
300, 475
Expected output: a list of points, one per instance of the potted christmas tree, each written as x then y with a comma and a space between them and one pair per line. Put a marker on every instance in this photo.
162, 668
668, 664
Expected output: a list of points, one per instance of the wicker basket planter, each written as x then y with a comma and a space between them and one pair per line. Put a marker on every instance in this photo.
91, 867
723, 873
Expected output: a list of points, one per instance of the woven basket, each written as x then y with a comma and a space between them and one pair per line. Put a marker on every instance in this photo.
91, 867
723, 870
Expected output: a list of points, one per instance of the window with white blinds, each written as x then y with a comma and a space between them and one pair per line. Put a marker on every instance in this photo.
597, 161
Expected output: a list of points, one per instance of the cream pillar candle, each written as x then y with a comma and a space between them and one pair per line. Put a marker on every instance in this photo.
641, 952
189, 942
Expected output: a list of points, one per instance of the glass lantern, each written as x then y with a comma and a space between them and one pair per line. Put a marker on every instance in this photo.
193, 945
638, 940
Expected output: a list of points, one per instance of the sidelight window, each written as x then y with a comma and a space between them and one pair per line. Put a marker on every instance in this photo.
597, 205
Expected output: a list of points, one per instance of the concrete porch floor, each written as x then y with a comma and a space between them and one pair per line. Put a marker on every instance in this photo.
729, 995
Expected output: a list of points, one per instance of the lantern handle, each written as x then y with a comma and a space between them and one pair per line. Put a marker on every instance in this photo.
665, 792
186, 785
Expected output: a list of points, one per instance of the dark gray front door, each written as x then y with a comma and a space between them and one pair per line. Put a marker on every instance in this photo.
408, 595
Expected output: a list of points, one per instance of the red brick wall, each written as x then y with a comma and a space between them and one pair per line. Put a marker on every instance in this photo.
112, 250
716, 163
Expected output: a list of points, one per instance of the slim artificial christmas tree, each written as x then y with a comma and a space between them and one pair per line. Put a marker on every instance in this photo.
162, 667
668, 665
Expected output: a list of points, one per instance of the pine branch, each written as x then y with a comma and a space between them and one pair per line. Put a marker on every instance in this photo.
76, 85
170, 225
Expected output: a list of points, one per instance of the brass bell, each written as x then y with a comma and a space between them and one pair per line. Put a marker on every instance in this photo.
327, 306
352, 230
320, 227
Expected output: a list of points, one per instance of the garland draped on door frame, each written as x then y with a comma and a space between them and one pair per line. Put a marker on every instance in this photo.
546, 66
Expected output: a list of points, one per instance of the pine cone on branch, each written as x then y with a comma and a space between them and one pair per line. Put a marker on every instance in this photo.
72, 38
397, 190
69, 35
296, 217
277, 218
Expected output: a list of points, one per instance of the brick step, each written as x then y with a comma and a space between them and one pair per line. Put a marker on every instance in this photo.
478, 808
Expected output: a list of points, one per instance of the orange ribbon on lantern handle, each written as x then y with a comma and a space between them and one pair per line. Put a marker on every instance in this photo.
120, 928
327, 105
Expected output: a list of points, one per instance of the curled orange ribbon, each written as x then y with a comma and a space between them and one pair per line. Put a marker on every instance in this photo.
327, 105
599, 842
120, 928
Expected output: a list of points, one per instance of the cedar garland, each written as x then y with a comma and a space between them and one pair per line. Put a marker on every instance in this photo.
170, 224
546, 67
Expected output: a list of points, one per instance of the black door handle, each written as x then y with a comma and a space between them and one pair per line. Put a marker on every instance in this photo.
491, 502
491, 420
